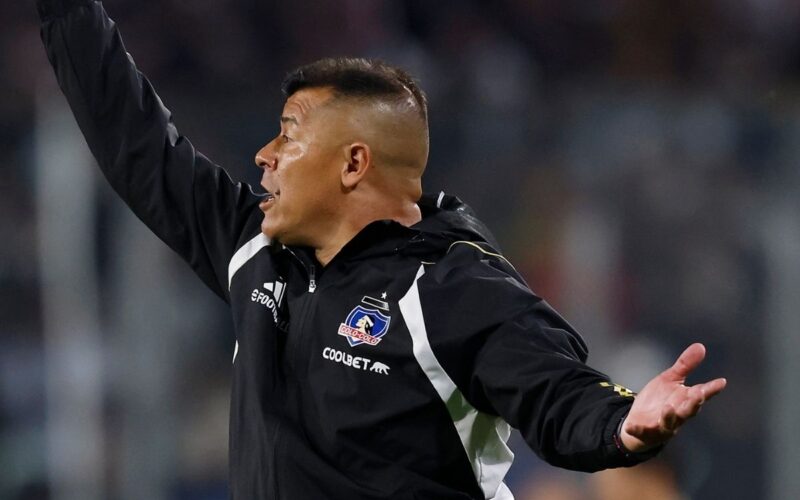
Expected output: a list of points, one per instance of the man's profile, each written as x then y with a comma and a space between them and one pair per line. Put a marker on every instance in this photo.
421, 403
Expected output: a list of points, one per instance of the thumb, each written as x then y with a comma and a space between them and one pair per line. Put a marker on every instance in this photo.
687, 362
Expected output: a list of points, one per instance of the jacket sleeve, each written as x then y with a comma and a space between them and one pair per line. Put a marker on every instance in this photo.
510, 354
186, 200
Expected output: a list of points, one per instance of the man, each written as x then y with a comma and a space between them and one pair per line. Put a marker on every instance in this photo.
420, 404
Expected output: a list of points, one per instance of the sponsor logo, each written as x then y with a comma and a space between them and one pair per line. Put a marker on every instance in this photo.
379, 367
366, 325
355, 362
271, 297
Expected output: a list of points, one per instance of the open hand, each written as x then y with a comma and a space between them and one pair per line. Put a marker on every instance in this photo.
666, 403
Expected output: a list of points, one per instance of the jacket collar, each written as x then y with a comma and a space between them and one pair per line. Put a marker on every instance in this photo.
445, 219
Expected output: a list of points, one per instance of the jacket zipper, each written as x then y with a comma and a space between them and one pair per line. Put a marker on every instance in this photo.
311, 271
312, 283
297, 346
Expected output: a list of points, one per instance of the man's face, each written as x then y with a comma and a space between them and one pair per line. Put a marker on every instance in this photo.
302, 167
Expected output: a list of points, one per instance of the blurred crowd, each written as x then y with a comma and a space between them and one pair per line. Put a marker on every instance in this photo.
623, 152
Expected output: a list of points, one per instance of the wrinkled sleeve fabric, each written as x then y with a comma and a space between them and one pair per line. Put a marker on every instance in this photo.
185, 199
512, 355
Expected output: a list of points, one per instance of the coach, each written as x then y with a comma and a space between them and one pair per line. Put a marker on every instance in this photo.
384, 346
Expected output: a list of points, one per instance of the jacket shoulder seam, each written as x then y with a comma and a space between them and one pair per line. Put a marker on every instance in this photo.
481, 249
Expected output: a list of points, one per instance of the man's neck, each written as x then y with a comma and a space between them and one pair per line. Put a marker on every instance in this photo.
406, 214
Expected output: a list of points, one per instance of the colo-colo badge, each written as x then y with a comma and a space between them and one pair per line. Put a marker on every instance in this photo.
366, 325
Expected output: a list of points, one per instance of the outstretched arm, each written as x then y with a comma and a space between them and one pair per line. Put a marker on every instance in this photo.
186, 200
512, 355
665, 403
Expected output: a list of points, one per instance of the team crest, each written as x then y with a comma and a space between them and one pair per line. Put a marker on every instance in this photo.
366, 325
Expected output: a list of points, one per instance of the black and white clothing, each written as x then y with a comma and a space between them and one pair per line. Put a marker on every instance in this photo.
397, 370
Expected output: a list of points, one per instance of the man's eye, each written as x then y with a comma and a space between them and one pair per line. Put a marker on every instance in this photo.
285, 138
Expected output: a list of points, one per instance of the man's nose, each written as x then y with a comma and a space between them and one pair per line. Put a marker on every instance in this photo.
265, 157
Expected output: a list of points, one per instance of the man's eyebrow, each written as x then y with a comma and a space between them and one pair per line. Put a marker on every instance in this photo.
290, 119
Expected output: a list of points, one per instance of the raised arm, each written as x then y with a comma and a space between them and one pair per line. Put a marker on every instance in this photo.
190, 203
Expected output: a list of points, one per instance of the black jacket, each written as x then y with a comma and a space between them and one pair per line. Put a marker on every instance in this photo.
395, 371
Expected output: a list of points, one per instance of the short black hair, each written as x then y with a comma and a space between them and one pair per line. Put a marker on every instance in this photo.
358, 78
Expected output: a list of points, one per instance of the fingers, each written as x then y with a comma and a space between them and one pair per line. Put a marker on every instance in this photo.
641, 436
669, 421
685, 404
665, 403
672, 418
645, 435
690, 405
714, 387
687, 361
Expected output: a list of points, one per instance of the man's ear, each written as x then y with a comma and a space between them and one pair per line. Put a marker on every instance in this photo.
358, 160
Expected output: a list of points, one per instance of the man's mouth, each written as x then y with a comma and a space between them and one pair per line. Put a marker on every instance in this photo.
269, 199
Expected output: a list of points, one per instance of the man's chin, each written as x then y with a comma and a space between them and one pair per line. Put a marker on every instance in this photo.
282, 234
277, 234
270, 230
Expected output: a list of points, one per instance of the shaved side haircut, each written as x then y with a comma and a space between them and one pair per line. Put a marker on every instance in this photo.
358, 78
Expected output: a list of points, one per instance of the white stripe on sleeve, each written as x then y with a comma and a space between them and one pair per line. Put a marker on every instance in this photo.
245, 253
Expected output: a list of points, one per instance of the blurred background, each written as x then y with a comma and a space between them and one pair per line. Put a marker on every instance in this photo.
638, 162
